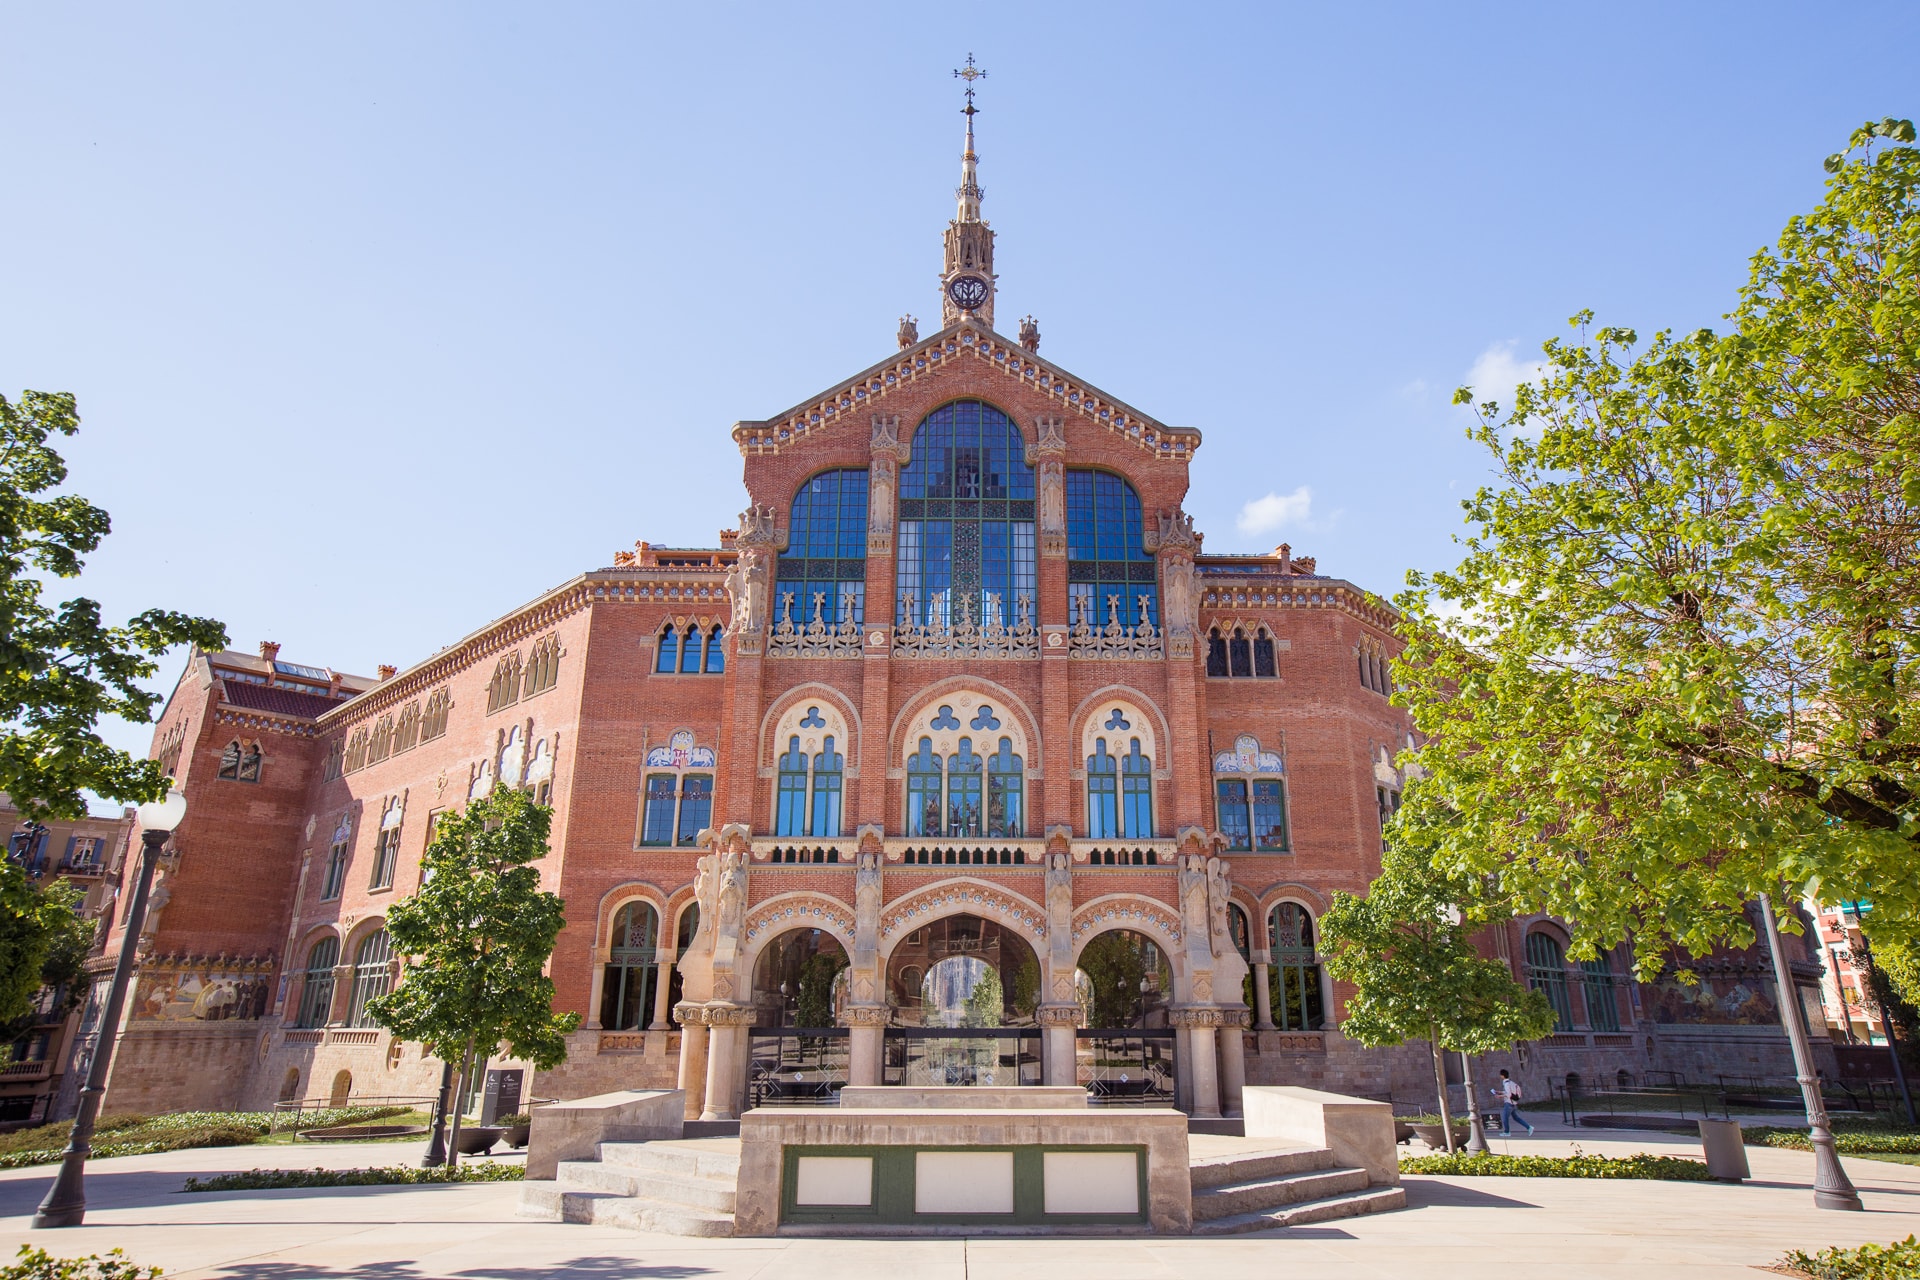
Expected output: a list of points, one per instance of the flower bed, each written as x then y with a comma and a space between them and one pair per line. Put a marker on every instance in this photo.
143, 1135
37, 1264
1642, 1165
392, 1176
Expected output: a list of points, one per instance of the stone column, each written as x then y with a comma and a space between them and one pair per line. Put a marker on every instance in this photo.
693, 1055
1233, 1059
661, 1007
1059, 1062
1196, 1033
866, 1040
726, 1063
342, 1005
1262, 995
595, 993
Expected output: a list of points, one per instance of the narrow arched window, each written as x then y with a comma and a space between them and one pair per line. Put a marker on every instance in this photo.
923, 791
823, 571
1263, 663
1137, 793
1293, 981
669, 647
633, 971
1547, 973
1603, 1010
696, 807
1216, 653
716, 662
1106, 555
316, 992
691, 651
230, 761
372, 976
1240, 931
1269, 815
1230, 802
964, 807
1103, 794
826, 791
663, 796
1006, 793
1240, 653
790, 801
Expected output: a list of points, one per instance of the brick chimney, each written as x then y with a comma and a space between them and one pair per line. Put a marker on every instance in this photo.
269, 651
387, 672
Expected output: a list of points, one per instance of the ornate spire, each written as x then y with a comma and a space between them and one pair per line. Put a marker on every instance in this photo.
967, 279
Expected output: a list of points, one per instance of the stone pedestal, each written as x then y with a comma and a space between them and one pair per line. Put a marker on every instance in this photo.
1059, 1065
866, 1043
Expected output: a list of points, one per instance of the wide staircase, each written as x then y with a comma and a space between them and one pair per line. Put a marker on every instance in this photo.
686, 1188
681, 1188
1236, 1191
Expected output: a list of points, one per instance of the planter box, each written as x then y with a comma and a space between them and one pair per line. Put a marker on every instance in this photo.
478, 1139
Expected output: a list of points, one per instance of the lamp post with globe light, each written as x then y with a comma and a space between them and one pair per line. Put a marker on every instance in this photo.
66, 1202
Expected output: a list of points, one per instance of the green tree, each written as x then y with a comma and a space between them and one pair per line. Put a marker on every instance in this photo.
61, 669
1677, 666
1407, 948
986, 1002
43, 943
813, 1007
478, 934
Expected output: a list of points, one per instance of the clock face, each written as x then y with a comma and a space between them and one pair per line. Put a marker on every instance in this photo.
967, 292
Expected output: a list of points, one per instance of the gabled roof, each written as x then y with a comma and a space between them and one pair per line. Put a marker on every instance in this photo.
967, 340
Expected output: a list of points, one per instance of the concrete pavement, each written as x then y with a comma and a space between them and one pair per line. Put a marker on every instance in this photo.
1454, 1227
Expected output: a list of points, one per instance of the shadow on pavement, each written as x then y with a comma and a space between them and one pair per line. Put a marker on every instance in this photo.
1424, 1192
588, 1266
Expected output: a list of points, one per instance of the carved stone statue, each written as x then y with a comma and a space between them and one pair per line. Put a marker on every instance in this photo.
881, 474
756, 526
731, 902
866, 899
706, 889
1053, 496
1219, 893
1180, 611
1060, 900
1193, 896
747, 586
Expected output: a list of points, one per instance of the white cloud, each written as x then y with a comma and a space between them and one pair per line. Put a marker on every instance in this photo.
1499, 370
1276, 511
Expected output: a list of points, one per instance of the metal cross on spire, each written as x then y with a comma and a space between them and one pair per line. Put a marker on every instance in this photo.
970, 73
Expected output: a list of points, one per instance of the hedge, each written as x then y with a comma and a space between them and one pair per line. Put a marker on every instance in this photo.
1847, 1142
37, 1264
143, 1135
391, 1176
1897, 1261
1666, 1168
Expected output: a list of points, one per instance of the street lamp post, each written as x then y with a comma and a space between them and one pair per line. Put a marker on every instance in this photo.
437, 1147
66, 1202
1831, 1188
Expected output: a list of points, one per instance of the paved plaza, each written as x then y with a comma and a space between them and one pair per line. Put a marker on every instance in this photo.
1453, 1227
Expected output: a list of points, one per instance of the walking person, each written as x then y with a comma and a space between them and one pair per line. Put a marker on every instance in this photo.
1508, 1091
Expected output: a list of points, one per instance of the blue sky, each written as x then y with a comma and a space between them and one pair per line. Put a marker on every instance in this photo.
385, 318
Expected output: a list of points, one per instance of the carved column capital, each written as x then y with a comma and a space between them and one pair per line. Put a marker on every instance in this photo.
867, 1015
1060, 1015
690, 1013
1194, 1017
721, 1014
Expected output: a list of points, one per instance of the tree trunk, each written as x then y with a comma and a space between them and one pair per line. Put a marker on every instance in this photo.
459, 1106
1440, 1081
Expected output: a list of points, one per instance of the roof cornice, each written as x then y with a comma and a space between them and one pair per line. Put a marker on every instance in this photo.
967, 340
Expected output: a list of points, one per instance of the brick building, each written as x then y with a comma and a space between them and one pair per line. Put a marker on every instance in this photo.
959, 751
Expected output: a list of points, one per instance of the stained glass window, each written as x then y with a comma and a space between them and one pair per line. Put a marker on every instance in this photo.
1106, 561
1293, 981
966, 544
824, 568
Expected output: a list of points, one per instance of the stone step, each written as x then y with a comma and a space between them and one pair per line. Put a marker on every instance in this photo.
1273, 1193
551, 1202
1249, 1166
715, 1194
681, 1159
1373, 1200
711, 1129
1223, 1126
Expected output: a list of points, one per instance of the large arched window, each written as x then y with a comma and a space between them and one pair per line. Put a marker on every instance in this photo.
1107, 565
1293, 981
372, 976
823, 571
946, 797
966, 520
316, 992
626, 994
1547, 973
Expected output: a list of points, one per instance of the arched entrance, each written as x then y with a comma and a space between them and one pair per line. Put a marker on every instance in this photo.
1125, 1049
797, 1051
963, 990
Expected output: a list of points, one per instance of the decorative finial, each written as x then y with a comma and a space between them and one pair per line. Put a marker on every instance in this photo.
909, 332
969, 192
1030, 334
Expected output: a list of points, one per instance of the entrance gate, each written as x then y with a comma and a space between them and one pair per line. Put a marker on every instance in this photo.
962, 1056
1127, 1065
796, 1066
